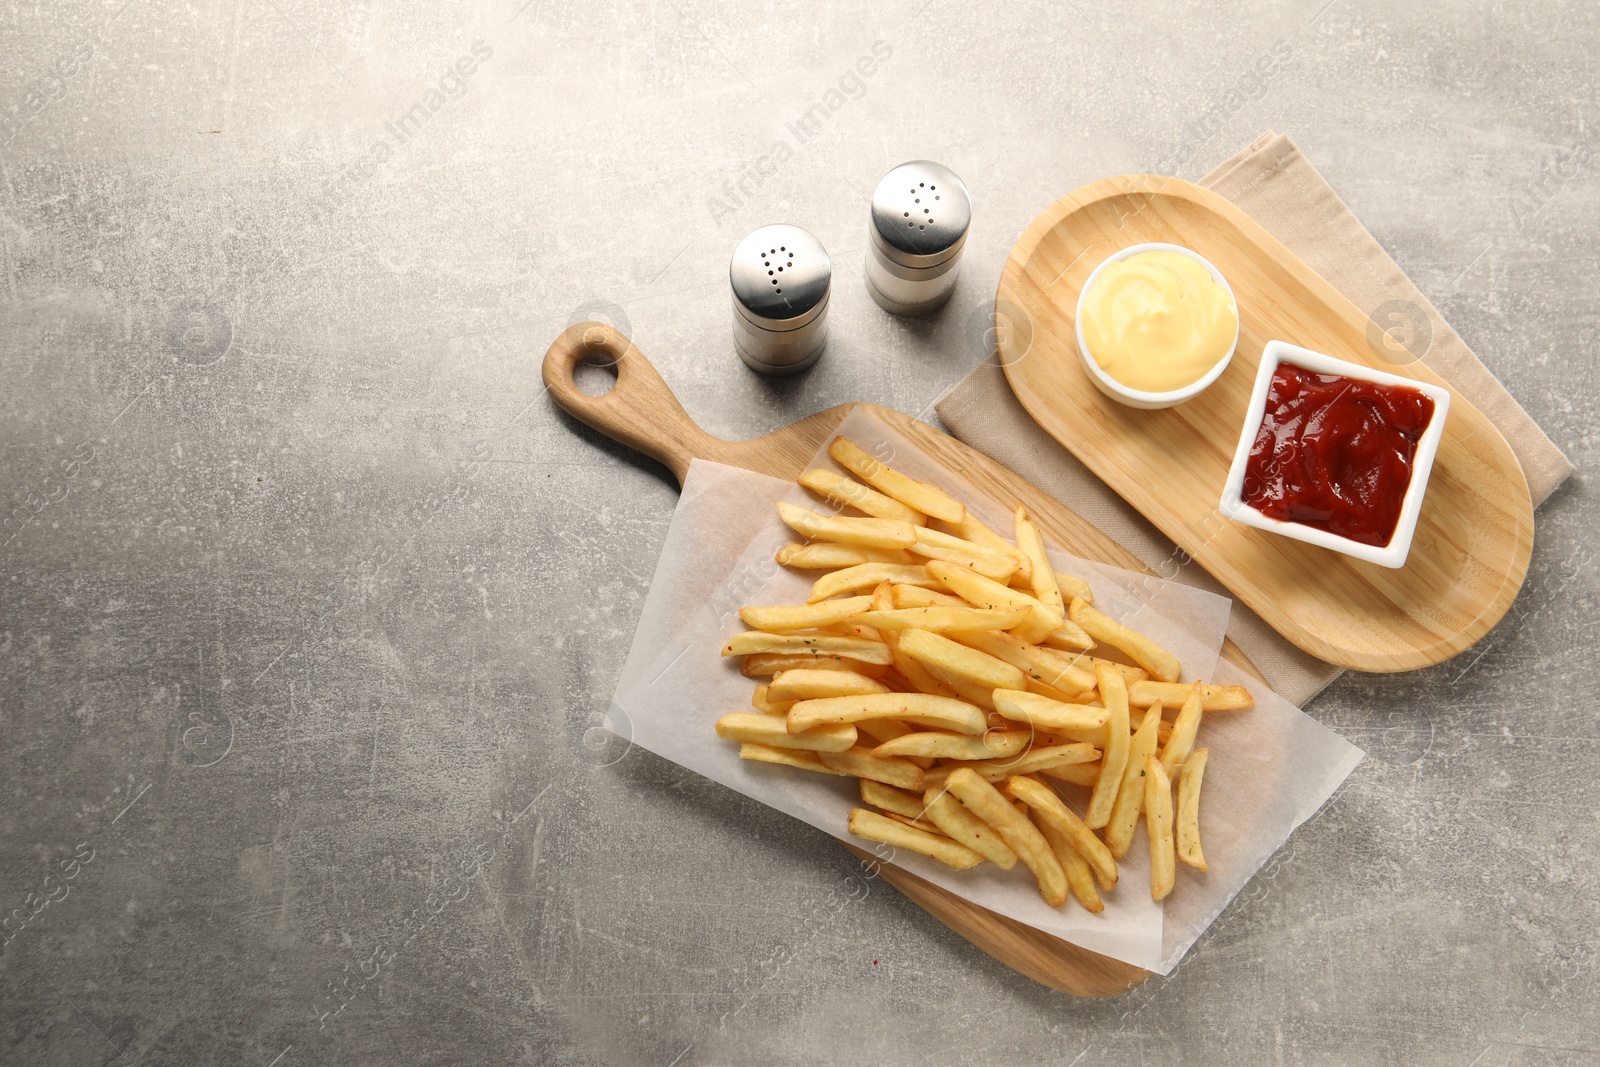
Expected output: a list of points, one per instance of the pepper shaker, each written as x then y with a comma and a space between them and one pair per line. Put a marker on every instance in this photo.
781, 279
920, 215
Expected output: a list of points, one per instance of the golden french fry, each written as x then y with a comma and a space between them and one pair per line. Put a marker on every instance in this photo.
762, 701
1173, 694
774, 732
1114, 760
911, 596
1129, 674
827, 555
804, 616
921, 824
994, 744
939, 619
1194, 769
842, 490
756, 642
1130, 796
1040, 664
1158, 825
949, 548
1031, 543
1038, 758
975, 531
986, 594
1051, 808
1074, 587
891, 799
959, 824
868, 576
975, 693
1184, 728
1069, 636
812, 684
946, 658
767, 664
944, 713
875, 533
1143, 651
1086, 774
985, 801
789, 757
1045, 714
921, 496
1080, 877
889, 770
874, 827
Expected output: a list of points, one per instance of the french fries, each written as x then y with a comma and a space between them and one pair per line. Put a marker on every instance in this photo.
804, 616
842, 490
1143, 651
986, 802
791, 757
1129, 804
768, 664
1046, 714
940, 619
947, 669
874, 827
944, 713
890, 799
994, 744
1158, 824
946, 658
753, 642
774, 732
959, 824
1178, 746
920, 496
869, 576
813, 684
1194, 769
951, 549
1114, 760
874, 533
990, 595
863, 764
826, 556
1172, 694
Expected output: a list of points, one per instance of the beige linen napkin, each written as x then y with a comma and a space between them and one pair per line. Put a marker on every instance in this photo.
1278, 187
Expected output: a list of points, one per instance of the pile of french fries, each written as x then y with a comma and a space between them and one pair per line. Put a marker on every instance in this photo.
950, 671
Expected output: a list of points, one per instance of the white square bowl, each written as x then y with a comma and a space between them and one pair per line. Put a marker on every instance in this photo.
1393, 554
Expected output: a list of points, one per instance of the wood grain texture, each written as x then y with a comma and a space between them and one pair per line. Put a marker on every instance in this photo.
1475, 533
641, 412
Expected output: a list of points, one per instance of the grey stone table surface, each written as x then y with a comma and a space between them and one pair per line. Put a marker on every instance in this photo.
310, 599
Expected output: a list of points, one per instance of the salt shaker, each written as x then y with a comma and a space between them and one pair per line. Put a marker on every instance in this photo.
781, 279
920, 215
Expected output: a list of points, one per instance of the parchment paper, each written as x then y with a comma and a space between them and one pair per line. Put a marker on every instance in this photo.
1271, 767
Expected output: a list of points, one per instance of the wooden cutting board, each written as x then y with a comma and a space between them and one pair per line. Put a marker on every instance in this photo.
641, 412
1475, 533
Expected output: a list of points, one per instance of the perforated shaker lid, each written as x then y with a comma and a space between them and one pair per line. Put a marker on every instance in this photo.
920, 214
780, 276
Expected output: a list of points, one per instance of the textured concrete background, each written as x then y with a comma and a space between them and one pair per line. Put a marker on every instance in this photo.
310, 600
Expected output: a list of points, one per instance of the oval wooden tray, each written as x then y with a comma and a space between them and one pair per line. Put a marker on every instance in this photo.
1476, 530
641, 412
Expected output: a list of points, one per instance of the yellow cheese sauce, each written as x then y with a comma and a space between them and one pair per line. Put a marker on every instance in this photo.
1157, 321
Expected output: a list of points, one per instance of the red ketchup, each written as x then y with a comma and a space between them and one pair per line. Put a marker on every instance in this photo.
1335, 453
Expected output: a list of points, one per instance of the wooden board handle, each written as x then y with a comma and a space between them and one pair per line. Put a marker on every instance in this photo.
640, 411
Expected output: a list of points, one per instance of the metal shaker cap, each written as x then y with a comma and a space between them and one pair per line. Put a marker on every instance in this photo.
781, 278
920, 214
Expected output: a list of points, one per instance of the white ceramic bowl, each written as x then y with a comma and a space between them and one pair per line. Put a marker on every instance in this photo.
1139, 398
1394, 553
